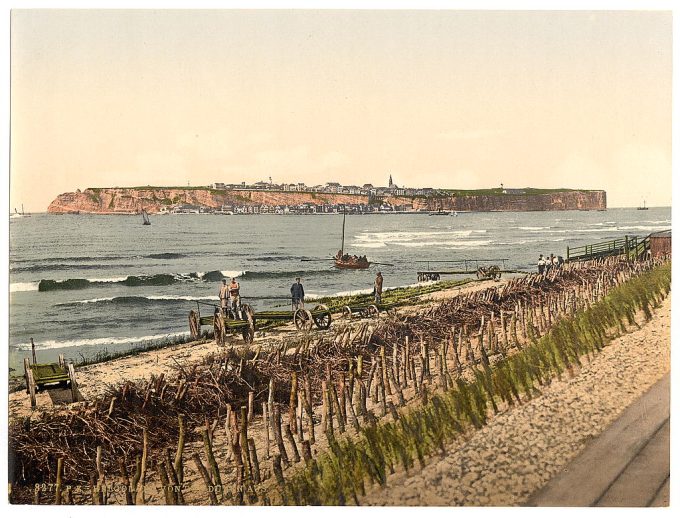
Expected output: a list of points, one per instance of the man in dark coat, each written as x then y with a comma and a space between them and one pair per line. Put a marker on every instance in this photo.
297, 293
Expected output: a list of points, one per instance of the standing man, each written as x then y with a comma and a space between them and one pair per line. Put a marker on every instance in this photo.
377, 288
297, 293
224, 296
235, 297
541, 264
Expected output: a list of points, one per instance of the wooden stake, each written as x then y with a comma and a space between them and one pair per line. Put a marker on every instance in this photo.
206, 478
338, 411
174, 480
125, 480
278, 472
381, 383
292, 401
306, 451
278, 436
254, 461
136, 477
352, 415
383, 365
60, 473
243, 441
207, 446
165, 483
251, 400
324, 407
265, 417
74, 383
397, 387
309, 409
291, 441
140, 500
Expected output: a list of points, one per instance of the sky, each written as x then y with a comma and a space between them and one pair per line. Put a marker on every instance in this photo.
450, 99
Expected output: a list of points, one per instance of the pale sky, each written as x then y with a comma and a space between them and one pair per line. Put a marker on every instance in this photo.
454, 99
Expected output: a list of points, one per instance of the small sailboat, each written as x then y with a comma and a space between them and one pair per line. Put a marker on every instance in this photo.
18, 214
644, 206
349, 262
145, 218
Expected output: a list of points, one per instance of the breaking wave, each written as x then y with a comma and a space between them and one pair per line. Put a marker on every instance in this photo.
112, 340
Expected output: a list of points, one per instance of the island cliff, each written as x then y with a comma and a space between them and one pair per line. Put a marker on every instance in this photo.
154, 199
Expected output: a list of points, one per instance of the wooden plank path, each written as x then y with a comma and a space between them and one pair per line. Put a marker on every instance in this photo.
628, 465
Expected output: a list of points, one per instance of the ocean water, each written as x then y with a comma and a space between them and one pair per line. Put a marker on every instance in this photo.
136, 284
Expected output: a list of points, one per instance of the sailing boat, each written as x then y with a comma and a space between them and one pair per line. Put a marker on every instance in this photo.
346, 261
644, 206
18, 214
145, 218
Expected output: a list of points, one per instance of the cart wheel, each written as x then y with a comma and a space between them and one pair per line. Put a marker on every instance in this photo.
302, 319
220, 328
373, 310
347, 312
322, 321
194, 325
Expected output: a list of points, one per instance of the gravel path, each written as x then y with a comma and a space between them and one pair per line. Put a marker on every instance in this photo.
520, 449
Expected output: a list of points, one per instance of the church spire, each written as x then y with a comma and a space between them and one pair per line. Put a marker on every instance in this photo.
391, 184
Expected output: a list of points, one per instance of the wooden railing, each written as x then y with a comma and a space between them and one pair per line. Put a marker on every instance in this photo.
632, 247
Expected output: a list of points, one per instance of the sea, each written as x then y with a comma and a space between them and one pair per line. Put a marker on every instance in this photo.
111, 284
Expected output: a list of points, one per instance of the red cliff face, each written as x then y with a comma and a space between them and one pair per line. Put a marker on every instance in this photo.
126, 201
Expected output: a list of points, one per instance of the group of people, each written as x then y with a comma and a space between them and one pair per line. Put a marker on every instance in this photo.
230, 295
230, 298
346, 258
548, 262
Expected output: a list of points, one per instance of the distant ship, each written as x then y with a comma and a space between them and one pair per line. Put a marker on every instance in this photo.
16, 214
644, 206
145, 218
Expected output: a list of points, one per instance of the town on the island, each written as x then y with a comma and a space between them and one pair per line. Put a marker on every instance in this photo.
375, 202
267, 197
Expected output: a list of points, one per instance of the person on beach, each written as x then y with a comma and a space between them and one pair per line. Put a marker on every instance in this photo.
297, 293
224, 296
377, 288
541, 264
235, 297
